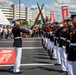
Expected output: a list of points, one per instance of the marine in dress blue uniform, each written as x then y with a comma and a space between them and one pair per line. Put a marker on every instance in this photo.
72, 47
17, 44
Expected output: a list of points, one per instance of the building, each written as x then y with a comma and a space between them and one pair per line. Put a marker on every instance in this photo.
29, 14
13, 12
32, 14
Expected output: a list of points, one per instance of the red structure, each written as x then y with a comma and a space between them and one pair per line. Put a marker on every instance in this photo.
64, 12
51, 16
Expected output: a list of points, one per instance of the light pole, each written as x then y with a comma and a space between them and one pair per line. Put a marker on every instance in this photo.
30, 21
58, 16
19, 8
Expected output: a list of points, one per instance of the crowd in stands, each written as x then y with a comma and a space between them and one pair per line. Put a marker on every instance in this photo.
6, 32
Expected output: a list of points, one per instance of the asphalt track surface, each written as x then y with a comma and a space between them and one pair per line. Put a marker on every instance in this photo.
35, 60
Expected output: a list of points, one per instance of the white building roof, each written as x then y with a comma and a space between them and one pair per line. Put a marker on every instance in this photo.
3, 19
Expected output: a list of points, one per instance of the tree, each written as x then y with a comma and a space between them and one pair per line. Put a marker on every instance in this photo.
25, 22
47, 19
38, 22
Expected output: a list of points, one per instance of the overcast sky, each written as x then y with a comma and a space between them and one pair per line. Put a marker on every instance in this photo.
50, 5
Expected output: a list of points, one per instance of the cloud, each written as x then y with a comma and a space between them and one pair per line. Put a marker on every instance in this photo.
70, 3
2, 0
33, 6
55, 5
22, 6
52, 7
63, 1
6, 3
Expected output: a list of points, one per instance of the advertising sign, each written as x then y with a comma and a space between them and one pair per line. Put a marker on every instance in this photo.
7, 56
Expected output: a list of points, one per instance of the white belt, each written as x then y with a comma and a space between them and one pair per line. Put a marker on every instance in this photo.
17, 37
57, 38
73, 44
54, 37
52, 34
63, 38
68, 40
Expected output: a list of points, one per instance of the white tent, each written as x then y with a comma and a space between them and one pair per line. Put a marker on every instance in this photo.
3, 19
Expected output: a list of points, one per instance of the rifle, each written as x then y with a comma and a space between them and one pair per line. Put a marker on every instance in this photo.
48, 29
37, 17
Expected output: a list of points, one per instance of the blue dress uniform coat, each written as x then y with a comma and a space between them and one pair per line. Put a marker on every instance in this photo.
69, 29
72, 49
17, 39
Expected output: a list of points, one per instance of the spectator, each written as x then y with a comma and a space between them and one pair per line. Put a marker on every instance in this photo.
1, 29
5, 33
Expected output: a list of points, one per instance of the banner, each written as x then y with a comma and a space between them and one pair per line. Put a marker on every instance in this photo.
7, 56
51, 16
64, 12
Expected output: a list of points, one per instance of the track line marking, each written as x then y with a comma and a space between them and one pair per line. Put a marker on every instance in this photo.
22, 41
22, 48
36, 64
33, 38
